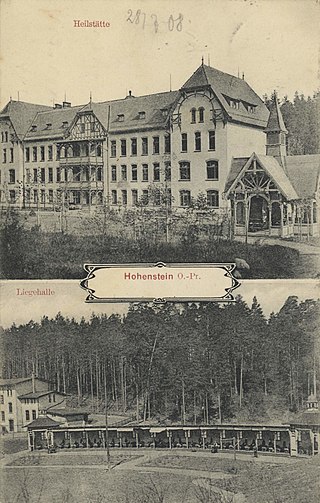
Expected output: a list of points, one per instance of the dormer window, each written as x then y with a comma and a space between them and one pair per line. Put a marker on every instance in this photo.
142, 115
164, 112
33, 127
65, 124
120, 117
49, 126
235, 104
251, 109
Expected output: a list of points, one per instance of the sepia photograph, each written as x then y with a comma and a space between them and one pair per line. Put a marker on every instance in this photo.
194, 402
147, 131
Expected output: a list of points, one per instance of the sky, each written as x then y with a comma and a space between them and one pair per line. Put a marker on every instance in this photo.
69, 298
45, 58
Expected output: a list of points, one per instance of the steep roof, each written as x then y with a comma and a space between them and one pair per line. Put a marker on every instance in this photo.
55, 117
275, 121
228, 88
21, 115
154, 107
272, 167
304, 173
67, 412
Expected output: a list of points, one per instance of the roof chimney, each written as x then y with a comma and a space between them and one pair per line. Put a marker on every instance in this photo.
66, 104
33, 382
57, 105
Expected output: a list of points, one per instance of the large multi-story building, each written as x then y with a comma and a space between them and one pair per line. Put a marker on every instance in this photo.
162, 148
23, 399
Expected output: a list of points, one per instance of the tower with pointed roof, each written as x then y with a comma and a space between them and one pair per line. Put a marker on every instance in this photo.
276, 132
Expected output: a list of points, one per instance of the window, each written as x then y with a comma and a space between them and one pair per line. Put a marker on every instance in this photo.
142, 115
134, 173
145, 172
113, 173
9, 392
123, 173
41, 153
145, 197
124, 196
185, 198
201, 114
34, 415
184, 170
123, 148
6, 136
50, 175
212, 140
156, 172
4, 155
43, 196
50, 196
34, 154
193, 115
157, 197
212, 170
50, 153
156, 145
82, 126
1, 399
167, 144
27, 415
3, 416
12, 176
27, 154
99, 174
134, 196
113, 152
58, 175
11, 425
35, 196
10, 407
133, 146
43, 175
35, 175
184, 142
11, 154
114, 197
12, 196
144, 146
213, 198
197, 141
27, 196
167, 171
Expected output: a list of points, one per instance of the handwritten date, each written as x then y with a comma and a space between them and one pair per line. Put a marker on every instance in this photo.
142, 19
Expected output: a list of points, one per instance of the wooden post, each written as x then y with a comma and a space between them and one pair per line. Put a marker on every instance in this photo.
187, 438
270, 217
170, 440
106, 417
275, 442
137, 439
281, 219
220, 440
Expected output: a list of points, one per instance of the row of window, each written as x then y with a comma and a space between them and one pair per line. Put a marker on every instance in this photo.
185, 197
144, 146
5, 157
198, 141
9, 393
34, 415
33, 153
74, 174
212, 171
197, 114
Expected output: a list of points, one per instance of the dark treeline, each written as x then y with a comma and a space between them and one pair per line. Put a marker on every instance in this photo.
186, 362
302, 119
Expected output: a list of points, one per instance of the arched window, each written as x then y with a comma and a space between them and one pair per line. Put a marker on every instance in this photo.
201, 114
193, 115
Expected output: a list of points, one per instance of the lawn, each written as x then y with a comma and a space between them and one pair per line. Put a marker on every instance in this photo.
162, 478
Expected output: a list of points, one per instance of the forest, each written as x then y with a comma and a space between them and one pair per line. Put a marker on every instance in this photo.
172, 363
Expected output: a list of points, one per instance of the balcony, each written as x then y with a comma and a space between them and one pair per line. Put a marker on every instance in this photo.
83, 160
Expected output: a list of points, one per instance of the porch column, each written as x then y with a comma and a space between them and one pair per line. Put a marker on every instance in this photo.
238, 440
270, 217
257, 441
220, 433
234, 216
187, 438
275, 442
204, 436
293, 443
137, 439
120, 440
86, 437
281, 220
169, 433
312, 437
